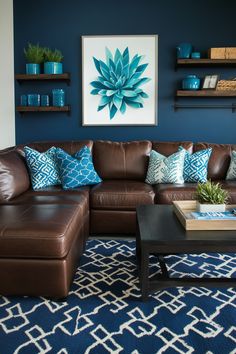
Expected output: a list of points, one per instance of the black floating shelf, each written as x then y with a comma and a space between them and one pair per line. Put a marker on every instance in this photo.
205, 106
205, 62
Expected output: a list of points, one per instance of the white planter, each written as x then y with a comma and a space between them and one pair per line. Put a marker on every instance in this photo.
210, 208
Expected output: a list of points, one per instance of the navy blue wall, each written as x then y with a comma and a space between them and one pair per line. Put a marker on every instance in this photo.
61, 23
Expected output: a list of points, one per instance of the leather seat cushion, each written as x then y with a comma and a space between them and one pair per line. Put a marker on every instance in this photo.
121, 195
166, 193
39, 231
52, 195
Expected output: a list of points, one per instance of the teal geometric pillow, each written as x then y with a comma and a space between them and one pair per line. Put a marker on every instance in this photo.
231, 173
43, 167
76, 171
162, 169
195, 165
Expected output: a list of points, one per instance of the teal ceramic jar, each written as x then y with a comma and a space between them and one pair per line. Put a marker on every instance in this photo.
51, 67
195, 55
191, 82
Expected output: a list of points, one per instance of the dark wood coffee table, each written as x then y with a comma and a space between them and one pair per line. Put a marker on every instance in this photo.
160, 232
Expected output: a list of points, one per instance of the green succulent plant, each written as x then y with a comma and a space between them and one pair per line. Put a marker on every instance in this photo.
119, 81
211, 193
34, 53
52, 55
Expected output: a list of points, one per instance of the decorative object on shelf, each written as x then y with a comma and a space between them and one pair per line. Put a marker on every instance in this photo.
184, 50
52, 64
119, 85
191, 82
195, 55
210, 82
34, 55
23, 100
226, 85
45, 100
33, 99
211, 197
222, 53
58, 97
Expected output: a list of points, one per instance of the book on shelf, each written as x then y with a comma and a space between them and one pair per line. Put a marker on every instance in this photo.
226, 215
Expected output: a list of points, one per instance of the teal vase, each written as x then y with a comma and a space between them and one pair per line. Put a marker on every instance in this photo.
51, 67
58, 97
32, 69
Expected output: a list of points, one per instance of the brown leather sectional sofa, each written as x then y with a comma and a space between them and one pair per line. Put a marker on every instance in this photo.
43, 233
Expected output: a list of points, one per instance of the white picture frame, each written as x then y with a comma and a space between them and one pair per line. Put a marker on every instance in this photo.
210, 82
119, 80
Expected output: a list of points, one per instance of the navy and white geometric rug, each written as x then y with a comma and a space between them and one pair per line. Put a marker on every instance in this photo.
104, 313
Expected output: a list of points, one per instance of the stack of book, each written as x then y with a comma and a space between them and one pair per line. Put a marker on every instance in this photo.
226, 215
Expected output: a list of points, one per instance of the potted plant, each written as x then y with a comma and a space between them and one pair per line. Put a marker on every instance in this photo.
34, 55
211, 197
52, 61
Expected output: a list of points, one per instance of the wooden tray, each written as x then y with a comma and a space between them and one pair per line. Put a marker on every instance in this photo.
183, 208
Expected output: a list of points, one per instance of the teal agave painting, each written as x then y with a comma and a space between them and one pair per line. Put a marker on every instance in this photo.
119, 82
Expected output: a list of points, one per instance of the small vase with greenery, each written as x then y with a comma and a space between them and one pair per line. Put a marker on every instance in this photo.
52, 61
211, 197
34, 55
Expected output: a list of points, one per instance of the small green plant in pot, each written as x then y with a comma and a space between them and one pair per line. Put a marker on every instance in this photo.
211, 197
52, 61
34, 55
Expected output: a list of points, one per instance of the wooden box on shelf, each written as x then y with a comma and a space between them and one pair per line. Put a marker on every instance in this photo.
183, 210
217, 53
222, 53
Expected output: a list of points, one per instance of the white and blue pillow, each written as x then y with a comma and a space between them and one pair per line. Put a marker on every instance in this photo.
76, 171
43, 167
162, 169
196, 165
231, 173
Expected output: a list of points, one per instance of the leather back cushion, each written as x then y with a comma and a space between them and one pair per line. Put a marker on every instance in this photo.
71, 147
168, 148
14, 177
219, 160
121, 160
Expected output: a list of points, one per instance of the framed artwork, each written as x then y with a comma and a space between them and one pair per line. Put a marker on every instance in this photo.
210, 82
119, 80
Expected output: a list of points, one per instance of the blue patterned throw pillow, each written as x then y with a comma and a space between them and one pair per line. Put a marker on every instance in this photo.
231, 173
195, 165
162, 169
43, 167
76, 171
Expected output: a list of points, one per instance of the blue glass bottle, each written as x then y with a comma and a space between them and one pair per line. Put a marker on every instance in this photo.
58, 97
44, 100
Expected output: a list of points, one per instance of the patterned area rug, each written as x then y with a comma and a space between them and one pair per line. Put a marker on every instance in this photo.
104, 313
